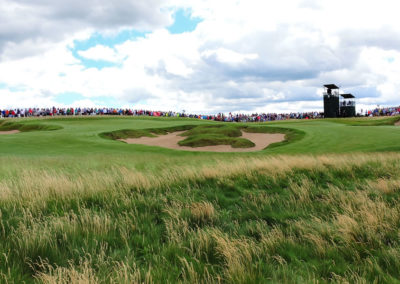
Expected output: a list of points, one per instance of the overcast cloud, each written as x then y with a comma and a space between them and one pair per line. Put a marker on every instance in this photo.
245, 55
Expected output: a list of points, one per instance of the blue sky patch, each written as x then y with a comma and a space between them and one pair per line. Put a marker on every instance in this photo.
183, 22
73, 98
69, 98
390, 59
106, 101
98, 64
110, 41
13, 89
99, 39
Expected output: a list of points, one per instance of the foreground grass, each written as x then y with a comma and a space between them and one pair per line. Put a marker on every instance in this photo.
244, 220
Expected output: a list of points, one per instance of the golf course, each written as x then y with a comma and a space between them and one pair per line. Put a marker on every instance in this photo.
85, 200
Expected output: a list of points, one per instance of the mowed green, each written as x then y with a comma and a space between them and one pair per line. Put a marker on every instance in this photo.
80, 136
79, 208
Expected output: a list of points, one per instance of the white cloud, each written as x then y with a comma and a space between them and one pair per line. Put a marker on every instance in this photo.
100, 52
224, 55
244, 56
48, 22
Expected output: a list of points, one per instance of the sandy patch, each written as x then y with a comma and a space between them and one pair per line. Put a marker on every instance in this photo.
397, 123
9, 132
262, 140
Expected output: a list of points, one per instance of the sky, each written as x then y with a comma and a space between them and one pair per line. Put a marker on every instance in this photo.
201, 56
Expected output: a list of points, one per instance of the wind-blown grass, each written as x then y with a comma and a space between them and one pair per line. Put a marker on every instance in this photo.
272, 219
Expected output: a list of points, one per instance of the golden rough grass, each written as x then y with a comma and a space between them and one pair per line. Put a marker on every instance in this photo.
190, 275
176, 227
203, 211
385, 185
355, 216
36, 233
83, 272
238, 255
35, 186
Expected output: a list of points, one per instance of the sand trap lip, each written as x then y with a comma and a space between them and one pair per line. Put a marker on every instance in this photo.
170, 141
9, 132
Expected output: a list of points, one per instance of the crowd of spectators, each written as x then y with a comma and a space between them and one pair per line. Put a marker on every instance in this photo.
37, 112
263, 117
255, 117
383, 111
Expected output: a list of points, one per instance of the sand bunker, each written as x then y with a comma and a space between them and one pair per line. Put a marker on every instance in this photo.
262, 140
397, 123
9, 132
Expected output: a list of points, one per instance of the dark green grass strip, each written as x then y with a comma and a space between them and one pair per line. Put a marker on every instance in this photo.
8, 126
378, 121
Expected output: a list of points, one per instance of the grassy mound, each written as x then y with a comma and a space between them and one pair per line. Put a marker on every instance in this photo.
208, 135
8, 126
221, 130
149, 132
211, 135
202, 140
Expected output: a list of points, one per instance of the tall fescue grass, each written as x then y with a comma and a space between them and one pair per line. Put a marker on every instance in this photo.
291, 219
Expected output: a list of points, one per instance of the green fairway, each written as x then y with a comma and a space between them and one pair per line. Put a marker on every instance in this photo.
78, 206
80, 136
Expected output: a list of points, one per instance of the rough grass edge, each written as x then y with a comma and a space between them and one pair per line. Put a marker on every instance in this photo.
367, 121
8, 126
